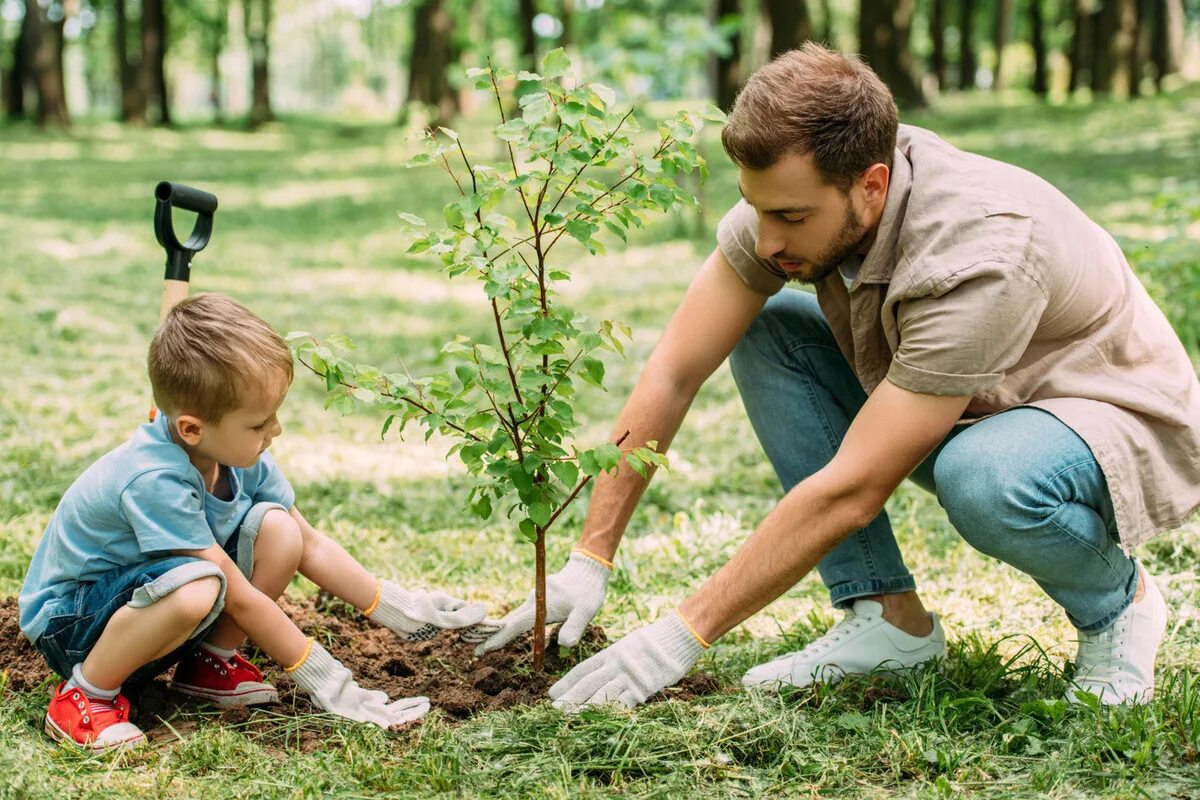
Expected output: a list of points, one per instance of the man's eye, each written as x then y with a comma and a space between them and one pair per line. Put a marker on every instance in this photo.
799, 221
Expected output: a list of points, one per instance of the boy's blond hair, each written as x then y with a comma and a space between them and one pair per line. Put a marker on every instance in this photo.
211, 355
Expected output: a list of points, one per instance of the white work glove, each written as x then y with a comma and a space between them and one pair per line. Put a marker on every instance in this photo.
416, 616
573, 596
332, 688
646, 661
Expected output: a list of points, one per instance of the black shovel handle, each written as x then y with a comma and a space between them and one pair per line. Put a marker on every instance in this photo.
175, 195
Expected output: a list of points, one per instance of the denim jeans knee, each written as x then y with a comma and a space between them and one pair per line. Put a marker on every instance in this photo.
1024, 488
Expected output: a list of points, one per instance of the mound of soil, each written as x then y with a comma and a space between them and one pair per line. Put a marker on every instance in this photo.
443, 669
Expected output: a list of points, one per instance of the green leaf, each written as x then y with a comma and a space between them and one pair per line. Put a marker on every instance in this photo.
412, 222
387, 424
593, 371
567, 472
540, 514
556, 63
581, 230
525, 76
608, 455
363, 395
466, 375
454, 215
528, 530
587, 463
515, 130
635, 463
571, 114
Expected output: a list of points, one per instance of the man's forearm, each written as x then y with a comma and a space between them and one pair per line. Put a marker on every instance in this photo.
808, 523
654, 412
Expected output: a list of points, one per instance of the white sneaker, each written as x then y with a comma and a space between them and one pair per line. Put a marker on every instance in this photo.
861, 642
1117, 664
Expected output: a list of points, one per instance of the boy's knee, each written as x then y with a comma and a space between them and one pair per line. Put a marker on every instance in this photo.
195, 599
279, 538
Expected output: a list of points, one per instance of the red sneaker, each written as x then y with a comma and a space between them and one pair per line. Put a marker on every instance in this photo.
91, 723
231, 683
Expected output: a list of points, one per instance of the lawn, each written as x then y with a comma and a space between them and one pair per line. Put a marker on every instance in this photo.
306, 235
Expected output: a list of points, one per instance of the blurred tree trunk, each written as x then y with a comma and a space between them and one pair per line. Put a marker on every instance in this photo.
1037, 39
132, 104
429, 62
790, 24
567, 15
999, 40
884, 27
1166, 37
937, 35
45, 52
17, 76
826, 33
1115, 26
726, 68
152, 78
526, 12
1081, 45
968, 63
1138, 54
256, 20
217, 35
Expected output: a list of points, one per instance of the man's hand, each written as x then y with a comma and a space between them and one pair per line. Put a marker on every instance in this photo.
416, 616
573, 596
332, 688
646, 661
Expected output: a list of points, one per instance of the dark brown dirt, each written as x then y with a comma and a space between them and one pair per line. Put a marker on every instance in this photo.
443, 669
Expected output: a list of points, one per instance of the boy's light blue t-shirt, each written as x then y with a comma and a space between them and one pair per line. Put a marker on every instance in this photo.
137, 503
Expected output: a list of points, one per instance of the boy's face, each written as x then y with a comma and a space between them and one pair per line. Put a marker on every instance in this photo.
242, 435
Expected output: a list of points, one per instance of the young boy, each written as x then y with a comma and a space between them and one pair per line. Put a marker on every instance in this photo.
175, 546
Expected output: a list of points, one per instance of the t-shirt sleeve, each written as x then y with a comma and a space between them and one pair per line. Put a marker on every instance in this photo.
736, 234
270, 484
166, 513
961, 339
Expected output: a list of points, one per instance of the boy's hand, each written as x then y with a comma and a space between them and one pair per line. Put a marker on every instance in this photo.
573, 596
415, 616
332, 688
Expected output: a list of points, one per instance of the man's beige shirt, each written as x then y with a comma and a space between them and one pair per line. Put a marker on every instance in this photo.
985, 280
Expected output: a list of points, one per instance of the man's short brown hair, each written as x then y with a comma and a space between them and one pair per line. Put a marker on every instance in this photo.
211, 355
813, 100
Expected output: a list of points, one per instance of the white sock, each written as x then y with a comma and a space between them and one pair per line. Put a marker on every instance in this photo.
84, 685
220, 652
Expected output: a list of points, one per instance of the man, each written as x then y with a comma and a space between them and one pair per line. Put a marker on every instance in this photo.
971, 329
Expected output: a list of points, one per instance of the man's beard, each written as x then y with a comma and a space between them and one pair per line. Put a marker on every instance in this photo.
848, 241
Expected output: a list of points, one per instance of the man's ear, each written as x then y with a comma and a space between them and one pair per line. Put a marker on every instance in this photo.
188, 429
872, 188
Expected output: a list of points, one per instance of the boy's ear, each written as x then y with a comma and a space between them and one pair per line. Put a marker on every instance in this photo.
189, 429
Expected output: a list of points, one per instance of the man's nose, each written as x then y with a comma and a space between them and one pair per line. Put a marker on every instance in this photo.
768, 242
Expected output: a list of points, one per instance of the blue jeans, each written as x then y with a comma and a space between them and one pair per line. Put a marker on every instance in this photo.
80, 617
1019, 486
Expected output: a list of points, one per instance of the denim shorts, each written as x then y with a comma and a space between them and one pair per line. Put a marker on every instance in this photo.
80, 618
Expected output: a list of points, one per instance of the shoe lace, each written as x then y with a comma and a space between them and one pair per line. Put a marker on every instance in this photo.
97, 708
839, 632
1101, 653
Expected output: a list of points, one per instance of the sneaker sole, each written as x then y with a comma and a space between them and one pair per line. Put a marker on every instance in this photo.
58, 734
229, 699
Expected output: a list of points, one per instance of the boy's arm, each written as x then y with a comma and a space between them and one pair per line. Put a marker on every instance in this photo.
412, 614
255, 613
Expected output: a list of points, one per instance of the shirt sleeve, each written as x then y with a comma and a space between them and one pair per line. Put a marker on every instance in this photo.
270, 484
166, 513
962, 339
736, 234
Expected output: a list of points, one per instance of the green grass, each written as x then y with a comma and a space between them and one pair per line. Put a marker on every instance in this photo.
306, 237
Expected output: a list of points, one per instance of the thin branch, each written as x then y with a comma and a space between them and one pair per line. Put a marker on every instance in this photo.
578, 488
587, 164
399, 398
512, 376
446, 161
511, 155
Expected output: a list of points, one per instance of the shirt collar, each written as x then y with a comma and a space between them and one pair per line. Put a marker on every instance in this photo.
880, 261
